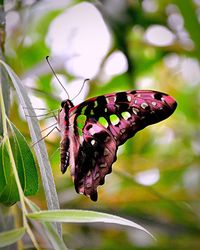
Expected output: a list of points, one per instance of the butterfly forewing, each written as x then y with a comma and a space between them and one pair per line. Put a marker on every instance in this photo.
108, 121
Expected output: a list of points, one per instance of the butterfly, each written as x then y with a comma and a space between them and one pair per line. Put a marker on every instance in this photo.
92, 131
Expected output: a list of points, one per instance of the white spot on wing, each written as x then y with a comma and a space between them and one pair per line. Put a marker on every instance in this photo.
144, 105
135, 110
88, 185
92, 131
93, 142
89, 173
95, 104
162, 99
106, 152
153, 103
96, 176
126, 115
123, 130
129, 98
102, 165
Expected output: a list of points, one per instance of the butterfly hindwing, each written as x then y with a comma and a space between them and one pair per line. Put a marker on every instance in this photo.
93, 159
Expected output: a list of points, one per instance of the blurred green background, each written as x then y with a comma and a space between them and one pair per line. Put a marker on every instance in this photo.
119, 45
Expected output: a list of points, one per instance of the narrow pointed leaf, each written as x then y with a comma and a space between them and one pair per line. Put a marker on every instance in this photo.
83, 216
55, 240
40, 149
9, 237
3, 180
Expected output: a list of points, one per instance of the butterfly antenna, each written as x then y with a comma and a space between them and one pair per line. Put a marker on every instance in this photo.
47, 59
87, 79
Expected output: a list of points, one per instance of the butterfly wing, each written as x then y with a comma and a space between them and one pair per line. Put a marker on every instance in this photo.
135, 110
125, 113
108, 121
94, 152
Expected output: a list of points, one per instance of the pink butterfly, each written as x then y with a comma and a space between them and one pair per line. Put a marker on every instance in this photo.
93, 130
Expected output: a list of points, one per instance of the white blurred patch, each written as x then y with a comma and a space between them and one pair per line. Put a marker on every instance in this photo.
159, 35
140, 239
172, 61
146, 83
57, 88
190, 70
12, 21
165, 135
49, 130
72, 87
197, 2
81, 37
116, 64
196, 147
30, 81
191, 179
36, 102
148, 177
150, 6
175, 21
116, 9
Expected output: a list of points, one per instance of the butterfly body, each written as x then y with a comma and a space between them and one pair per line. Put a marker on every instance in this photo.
92, 131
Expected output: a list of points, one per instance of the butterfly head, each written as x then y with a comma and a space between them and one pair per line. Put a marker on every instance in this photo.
66, 105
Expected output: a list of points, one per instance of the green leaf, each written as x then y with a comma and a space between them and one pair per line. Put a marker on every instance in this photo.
56, 241
3, 179
9, 194
83, 216
9, 237
25, 165
40, 149
6, 94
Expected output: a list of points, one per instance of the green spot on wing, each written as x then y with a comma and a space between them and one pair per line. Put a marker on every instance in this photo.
103, 121
126, 115
114, 119
81, 119
83, 110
